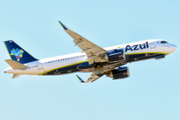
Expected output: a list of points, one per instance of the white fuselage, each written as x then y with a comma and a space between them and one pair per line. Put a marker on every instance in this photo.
45, 65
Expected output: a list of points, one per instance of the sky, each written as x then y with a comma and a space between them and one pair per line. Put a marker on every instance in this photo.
151, 91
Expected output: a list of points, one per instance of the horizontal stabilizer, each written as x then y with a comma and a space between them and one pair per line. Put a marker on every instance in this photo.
16, 65
16, 75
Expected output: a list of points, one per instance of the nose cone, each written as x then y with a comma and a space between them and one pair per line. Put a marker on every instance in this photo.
173, 48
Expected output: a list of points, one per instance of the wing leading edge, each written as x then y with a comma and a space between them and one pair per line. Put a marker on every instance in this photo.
94, 52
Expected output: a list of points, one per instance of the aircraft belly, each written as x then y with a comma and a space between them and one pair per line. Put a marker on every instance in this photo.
70, 67
62, 68
142, 56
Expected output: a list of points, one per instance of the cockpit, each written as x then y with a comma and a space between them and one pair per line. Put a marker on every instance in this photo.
166, 47
162, 42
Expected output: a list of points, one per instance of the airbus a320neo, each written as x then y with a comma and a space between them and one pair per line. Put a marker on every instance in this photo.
100, 61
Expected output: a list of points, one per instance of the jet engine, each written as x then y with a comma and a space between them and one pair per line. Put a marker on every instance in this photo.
115, 55
119, 73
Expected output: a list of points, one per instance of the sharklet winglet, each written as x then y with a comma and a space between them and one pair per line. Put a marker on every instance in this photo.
64, 27
81, 80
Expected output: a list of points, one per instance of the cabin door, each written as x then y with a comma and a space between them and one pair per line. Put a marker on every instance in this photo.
40, 68
153, 46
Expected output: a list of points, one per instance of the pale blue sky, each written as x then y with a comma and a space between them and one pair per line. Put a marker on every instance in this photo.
152, 92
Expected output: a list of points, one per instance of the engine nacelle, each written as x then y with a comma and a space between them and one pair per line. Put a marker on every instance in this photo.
159, 57
119, 73
115, 55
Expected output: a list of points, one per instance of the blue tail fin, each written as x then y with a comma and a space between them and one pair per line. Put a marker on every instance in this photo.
17, 53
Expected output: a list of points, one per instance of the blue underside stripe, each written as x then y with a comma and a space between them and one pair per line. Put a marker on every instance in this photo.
63, 67
87, 60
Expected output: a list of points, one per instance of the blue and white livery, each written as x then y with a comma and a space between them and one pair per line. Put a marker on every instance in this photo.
108, 61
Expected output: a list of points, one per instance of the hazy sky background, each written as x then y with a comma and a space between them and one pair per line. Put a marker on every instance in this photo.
152, 92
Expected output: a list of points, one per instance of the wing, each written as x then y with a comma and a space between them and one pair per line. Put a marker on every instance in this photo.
94, 53
16, 75
91, 79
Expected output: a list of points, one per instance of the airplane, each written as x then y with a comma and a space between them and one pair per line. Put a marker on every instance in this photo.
100, 61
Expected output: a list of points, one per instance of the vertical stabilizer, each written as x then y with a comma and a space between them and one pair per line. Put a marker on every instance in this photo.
17, 53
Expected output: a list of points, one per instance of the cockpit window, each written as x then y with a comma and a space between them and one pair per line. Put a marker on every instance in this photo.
163, 42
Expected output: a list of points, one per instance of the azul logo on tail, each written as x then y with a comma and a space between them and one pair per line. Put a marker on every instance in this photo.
137, 47
18, 53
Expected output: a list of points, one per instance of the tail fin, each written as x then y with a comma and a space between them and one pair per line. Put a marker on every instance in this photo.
17, 53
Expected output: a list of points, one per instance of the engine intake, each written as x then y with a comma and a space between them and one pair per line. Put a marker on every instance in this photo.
119, 73
159, 57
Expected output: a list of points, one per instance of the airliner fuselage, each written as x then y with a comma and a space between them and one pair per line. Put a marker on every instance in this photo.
100, 61
68, 63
